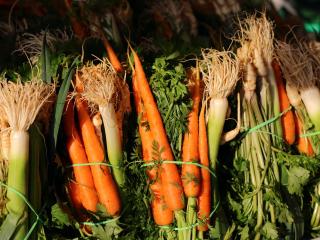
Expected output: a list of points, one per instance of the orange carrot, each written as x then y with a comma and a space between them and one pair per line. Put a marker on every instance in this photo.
74, 193
78, 28
204, 199
170, 178
106, 187
287, 120
164, 25
113, 58
83, 176
303, 143
162, 215
190, 152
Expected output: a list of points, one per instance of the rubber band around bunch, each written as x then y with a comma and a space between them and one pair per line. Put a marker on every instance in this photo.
38, 219
267, 122
92, 164
271, 120
202, 221
310, 134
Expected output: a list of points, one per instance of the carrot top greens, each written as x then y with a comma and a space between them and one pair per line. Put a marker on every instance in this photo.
168, 83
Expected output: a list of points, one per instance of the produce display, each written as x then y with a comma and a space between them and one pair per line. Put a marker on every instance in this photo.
172, 119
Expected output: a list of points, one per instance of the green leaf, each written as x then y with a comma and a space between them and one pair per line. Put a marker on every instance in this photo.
45, 61
229, 232
59, 106
297, 179
171, 93
215, 233
59, 217
269, 230
9, 226
244, 234
108, 231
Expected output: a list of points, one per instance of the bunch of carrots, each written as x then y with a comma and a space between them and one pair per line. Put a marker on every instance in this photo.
96, 180
168, 187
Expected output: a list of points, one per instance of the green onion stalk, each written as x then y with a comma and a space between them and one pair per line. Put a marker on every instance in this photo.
21, 103
258, 154
256, 180
4, 157
220, 73
103, 88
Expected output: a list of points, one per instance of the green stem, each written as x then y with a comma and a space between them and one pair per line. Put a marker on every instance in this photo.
271, 211
200, 235
181, 223
314, 214
275, 103
113, 140
257, 236
217, 115
18, 178
191, 215
317, 219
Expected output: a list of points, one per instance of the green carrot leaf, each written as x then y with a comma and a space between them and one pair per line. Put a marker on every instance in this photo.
168, 83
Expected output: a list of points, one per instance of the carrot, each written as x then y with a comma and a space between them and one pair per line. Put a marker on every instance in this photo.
204, 199
170, 178
162, 215
164, 25
303, 143
83, 176
114, 60
106, 187
74, 194
287, 120
78, 28
190, 151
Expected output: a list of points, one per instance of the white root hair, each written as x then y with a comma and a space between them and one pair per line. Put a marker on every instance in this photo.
220, 72
22, 101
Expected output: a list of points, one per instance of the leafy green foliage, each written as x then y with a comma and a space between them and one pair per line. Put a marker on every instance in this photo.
269, 231
107, 231
9, 225
137, 219
244, 233
67, 75
59, 216
168, 84
297, 179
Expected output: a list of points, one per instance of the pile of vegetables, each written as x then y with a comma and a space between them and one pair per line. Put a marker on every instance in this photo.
148, 120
